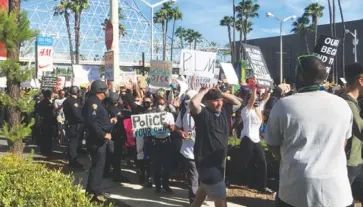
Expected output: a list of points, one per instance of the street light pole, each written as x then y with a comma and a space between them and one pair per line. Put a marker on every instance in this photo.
293, 17
355, 42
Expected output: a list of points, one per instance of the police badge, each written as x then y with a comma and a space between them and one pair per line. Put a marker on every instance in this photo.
94, 106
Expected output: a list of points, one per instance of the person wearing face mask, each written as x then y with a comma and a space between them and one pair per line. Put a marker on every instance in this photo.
185, 127
250, 138
99, 125
161, 150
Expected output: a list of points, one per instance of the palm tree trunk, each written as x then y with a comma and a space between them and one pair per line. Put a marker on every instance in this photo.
335, 68
164, 37
195, 44
307, 44
330, 19
315, 20
234, 56
77, 34
172, 42
66, 17
230, 42
240, 45
343, 42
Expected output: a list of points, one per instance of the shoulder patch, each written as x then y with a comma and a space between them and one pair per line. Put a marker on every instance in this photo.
94, 106
75, 105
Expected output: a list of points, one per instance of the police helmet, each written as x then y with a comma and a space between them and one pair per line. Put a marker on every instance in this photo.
74, 90
98, 86
114, 98
47, 93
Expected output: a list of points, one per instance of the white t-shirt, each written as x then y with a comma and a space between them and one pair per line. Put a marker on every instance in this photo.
57, 103
188, 125
169, 119
311, 129
251, 124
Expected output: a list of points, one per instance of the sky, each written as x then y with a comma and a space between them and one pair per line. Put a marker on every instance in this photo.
205, 15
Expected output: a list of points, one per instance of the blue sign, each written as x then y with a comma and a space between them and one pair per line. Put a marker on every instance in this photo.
44, 41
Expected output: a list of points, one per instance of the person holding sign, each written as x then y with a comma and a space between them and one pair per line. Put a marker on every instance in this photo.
161, 149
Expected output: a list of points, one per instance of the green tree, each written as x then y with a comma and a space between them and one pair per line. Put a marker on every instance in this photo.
14, 30
78, 6
121, 28
228, 22
63, 9
197, 38
315, 11
177, 15
181, 34
189, 37
159, 18
301, 27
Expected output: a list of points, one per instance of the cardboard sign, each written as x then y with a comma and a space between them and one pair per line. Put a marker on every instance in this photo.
49, 82
84, 74
258, 65
126, 77
198, 63
160, 74
109, 73
199, 81
326, 49
230, 73
44, 54
151, 124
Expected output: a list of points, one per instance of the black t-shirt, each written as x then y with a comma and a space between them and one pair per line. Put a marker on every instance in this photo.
211, 143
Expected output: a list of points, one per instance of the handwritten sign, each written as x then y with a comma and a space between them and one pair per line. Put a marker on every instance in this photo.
258, 66
326, 49
84, 74
230, 73
49, 82
198, 63
44, 54
149, 124
109, 73
199, 81
160, 74
126, 77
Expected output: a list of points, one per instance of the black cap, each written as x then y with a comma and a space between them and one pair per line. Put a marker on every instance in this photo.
352, 71
213, 95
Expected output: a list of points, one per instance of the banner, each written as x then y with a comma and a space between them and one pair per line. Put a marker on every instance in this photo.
3, 53
126, 77
44, 54
109, 73
230, 73
145, 125
49, 82
326, 49
160, 74
85, 74
198, 63
258, 66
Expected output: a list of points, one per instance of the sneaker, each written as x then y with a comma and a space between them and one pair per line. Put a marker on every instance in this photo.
266, 191
98, 199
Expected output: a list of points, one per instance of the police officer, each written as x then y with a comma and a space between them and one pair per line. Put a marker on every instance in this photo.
99, 125
45, 111
74, 128
118, 137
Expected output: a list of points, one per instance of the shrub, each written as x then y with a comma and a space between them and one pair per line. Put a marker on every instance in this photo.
25, 183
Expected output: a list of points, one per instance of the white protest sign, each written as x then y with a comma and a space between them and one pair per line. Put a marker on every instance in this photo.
109, 73
199, 81
160, 74
126, 77
198, 63
84, 74
151, 124
230, 73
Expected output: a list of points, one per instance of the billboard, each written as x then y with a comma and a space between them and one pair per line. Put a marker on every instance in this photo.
44, 54
3, 52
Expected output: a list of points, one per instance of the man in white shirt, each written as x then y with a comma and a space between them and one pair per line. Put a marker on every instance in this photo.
185, 127
308, 131
58, 108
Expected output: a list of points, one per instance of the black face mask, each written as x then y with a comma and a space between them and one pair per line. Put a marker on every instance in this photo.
147, 105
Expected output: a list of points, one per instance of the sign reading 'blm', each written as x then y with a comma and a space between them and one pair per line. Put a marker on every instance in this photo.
160, 74
146, 125
258, 65
326, 49
198, 63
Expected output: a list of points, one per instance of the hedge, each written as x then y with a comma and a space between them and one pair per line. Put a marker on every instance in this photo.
26, 183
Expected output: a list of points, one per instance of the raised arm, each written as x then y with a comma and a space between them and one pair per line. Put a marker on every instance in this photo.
195, 103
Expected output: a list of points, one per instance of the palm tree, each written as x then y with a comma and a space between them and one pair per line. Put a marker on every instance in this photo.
228, 22
63, 8
239, 27
160, 18
177, 15
189, 37
121, 28
181, 33
343, 42
197, 38
301, 27
315, 10
77, 8
330, 18
249, 10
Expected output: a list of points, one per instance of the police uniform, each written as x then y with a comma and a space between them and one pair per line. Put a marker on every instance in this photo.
45, 110
73, 113
97, 122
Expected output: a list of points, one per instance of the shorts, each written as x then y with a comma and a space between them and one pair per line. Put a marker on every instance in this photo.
215, 191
